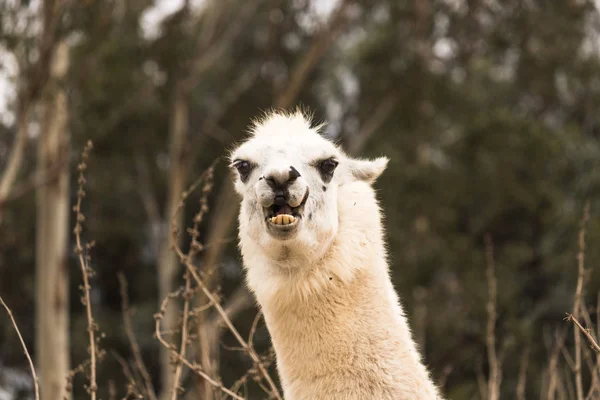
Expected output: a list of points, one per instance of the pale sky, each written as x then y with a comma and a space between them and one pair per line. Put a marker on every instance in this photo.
9, 67
152, 17
8, 70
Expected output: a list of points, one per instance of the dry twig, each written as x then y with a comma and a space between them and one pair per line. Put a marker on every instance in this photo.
553, 378
187, 261
495, 376
444, 377
250, 351
377, 118
33, 182
187, 292
586, 332
187, 295
193, 367
33, 374
195, 248
85, 268
522, 382
579, 299
132, 387
482, 385
135, 347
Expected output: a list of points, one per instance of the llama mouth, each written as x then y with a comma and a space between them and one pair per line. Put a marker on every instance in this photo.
285, 215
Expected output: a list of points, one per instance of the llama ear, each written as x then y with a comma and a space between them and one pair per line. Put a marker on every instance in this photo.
368, 170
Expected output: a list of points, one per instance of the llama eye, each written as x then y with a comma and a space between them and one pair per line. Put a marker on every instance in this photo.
244, 168
328, 166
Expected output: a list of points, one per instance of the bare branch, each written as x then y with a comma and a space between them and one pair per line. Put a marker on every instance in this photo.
229, 324
168, 266
35, 181
553, 378
187, 294
579, 299
112, 390
377, 118
420, 316
210, 126
495, 376
444, 377
15, 159
135, 347
132, 386
193, 367
211, 55
145, 189
243, 380
239, 301
195, 247
253, 329
85, 269
481, 382
33, 374
586, 332
522, 382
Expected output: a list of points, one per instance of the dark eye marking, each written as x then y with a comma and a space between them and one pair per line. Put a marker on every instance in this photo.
294, 174
326, 168
244, 168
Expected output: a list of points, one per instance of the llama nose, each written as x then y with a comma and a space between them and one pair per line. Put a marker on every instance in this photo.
279, 181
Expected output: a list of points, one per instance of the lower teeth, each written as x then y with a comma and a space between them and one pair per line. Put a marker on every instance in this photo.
283, 219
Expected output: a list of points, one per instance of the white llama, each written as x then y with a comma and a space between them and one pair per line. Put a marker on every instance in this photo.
312, 244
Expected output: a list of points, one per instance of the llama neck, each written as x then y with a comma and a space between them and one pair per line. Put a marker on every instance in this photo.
346, 332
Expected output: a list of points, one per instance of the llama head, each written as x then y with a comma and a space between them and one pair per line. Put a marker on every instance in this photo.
288, 176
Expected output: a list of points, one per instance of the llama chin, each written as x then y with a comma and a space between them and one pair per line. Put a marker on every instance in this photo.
312, 244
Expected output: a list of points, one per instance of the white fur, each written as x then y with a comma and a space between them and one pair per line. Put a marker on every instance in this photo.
335, 320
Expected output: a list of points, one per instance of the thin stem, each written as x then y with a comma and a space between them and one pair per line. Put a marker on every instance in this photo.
253, 328
135, 347
522, 382
255, 358
495, 377
84, 269
195, 368
579, 299
184, 336
586, 332
33, 374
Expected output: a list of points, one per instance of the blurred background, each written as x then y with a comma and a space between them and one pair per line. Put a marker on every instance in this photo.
488, 109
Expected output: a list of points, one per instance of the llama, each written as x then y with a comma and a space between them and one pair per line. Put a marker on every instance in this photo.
312, 245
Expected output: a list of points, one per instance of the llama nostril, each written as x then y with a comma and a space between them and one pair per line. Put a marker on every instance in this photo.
272, 183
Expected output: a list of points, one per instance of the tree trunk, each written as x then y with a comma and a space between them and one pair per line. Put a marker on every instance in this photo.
52, 236
168, 263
